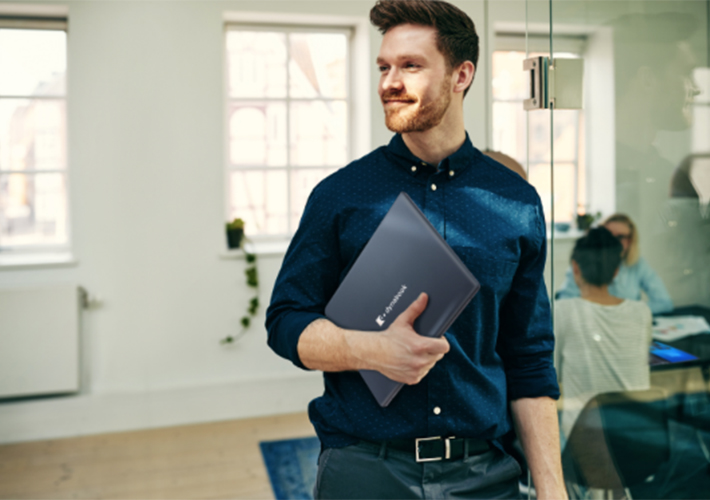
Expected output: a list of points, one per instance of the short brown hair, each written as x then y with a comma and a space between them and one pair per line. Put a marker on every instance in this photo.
456, 36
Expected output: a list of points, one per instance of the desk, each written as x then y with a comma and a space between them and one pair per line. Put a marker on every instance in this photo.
697, 345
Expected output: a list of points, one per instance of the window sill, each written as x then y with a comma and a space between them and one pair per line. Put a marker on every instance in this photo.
278, 248
36, 260
570, 234
261, 248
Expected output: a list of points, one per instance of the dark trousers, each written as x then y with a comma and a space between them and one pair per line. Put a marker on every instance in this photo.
371, 471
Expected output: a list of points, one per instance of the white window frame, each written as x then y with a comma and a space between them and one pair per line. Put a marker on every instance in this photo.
54, 18
359, 105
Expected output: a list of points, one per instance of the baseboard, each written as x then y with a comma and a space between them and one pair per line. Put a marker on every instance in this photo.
70, 416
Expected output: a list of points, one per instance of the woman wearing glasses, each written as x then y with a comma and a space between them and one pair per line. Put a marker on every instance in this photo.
635, 275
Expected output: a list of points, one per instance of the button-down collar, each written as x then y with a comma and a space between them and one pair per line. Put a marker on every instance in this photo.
456, 162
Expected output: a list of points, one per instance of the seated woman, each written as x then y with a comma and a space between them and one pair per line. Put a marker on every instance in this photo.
635, 275
601, 341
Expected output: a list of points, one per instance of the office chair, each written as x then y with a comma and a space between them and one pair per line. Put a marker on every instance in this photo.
619, 440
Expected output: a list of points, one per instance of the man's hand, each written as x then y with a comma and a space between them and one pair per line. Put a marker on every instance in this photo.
398, 352
403, 355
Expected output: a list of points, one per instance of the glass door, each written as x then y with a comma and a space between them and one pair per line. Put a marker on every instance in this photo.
631, 297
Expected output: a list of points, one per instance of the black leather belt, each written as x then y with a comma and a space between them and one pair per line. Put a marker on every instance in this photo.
432, 449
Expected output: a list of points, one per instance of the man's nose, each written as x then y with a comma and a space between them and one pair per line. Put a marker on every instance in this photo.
391, 80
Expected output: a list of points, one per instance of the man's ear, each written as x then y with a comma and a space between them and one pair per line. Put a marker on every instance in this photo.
463, 76
575, 268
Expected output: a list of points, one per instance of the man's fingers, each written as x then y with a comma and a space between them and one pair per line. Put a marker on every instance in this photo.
414, 310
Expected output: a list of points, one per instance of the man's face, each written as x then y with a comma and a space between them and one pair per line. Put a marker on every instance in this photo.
676, 90
415, 83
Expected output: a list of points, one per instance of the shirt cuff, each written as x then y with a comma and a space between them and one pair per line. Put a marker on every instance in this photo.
534, 385
287, 332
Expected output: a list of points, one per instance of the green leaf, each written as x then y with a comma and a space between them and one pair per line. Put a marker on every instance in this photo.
246, 321
252, 277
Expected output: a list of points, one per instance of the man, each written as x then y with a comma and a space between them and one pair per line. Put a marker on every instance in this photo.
500, 349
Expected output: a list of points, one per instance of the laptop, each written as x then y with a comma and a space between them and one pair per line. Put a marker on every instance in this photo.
663, 354
404, 257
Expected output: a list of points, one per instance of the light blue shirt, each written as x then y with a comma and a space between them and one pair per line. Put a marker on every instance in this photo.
629, 284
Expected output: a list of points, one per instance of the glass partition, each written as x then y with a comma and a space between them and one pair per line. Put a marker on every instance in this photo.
632, 301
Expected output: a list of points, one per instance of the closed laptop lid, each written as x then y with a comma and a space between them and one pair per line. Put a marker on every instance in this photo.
404, 257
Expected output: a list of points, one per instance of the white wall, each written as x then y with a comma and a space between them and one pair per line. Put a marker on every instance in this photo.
146, 141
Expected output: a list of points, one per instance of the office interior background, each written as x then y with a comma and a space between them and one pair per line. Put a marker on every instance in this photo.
131, 131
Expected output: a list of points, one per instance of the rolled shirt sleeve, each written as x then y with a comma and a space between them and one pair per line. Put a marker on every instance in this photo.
307, 280
526, 341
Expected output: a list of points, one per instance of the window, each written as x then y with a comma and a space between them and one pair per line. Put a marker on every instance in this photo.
289, 120
33, 136
513, 128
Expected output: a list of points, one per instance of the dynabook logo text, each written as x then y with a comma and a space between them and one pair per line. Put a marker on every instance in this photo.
381, 318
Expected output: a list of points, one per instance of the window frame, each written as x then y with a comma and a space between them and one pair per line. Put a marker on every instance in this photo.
358, 102
32, 255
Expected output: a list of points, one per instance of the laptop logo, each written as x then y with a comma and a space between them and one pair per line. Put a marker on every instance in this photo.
380, 320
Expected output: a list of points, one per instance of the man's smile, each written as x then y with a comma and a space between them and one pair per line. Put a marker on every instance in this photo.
397, 101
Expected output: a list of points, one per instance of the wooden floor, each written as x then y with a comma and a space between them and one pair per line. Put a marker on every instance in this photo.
217, 460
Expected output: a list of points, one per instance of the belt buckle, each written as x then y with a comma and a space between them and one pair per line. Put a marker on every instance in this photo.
447, 449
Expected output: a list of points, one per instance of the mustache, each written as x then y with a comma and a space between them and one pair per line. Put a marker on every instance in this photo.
389, 94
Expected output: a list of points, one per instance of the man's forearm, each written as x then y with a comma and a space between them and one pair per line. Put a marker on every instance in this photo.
326, 347
536, 424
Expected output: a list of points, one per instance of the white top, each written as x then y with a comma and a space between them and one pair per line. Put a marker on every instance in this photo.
599, 348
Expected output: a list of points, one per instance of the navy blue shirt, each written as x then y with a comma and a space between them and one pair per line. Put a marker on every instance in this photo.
501, 345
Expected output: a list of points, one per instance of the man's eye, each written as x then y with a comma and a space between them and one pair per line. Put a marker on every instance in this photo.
383, 69
411, 65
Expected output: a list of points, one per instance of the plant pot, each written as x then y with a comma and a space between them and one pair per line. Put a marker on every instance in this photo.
584, 222
234, 238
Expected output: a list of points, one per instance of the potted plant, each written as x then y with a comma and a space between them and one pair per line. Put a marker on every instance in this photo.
235, 240
235, 234
585, 220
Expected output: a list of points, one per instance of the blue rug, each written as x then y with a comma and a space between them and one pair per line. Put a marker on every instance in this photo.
292, 466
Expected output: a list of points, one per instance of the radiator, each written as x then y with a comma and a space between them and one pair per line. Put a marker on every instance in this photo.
39, 340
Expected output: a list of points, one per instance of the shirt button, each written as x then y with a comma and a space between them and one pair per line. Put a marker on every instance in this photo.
414, 168
437, 410
433, 187
451, 173
598, 338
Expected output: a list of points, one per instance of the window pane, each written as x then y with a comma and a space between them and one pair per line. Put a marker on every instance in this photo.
302, 183
33, 209
319, 133
318, 65
509, 79
260, 198
256, 62
257, 134
539, 177
509, 135
566, 135
32, 134
32, 62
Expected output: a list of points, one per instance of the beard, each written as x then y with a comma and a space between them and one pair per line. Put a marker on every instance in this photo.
424, 116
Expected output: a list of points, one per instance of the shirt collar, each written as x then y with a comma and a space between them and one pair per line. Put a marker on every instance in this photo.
456, 162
